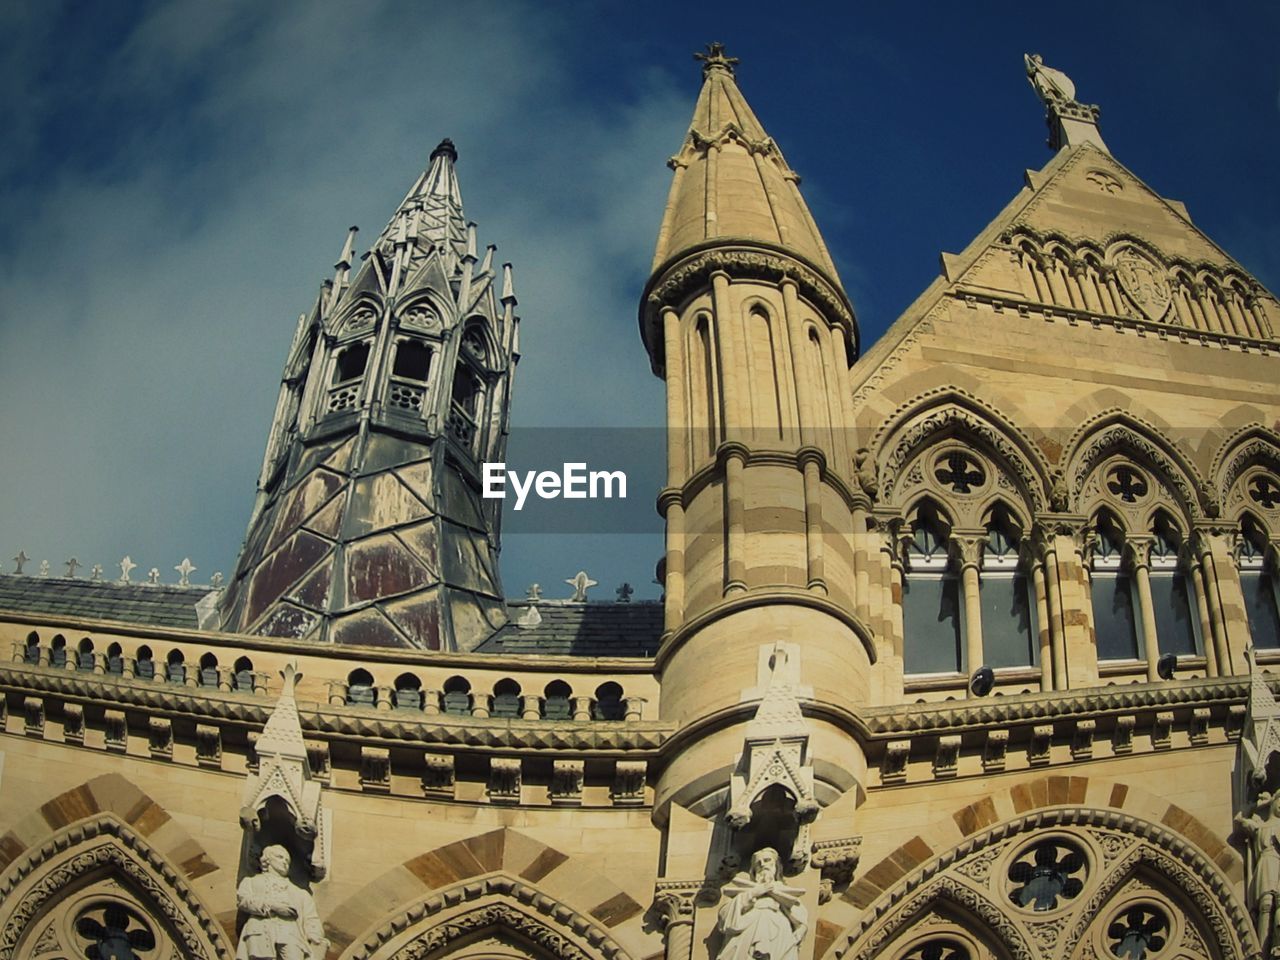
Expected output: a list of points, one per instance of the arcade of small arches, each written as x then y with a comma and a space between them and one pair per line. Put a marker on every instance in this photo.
982, 536
1129, 278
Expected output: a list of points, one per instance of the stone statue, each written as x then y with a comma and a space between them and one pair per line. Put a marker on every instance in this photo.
283, 923
1051, 86
865, 467
764, 920
1263, 831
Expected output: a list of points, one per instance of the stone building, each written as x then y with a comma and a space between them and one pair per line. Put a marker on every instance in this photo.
963, 651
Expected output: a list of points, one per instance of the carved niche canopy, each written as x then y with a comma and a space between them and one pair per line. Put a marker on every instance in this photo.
1144, 283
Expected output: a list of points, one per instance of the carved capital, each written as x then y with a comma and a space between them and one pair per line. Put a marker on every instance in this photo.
837, 860
676, 900
1137, 550
966, 547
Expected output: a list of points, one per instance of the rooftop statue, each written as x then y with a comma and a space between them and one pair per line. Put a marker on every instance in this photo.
1050, 85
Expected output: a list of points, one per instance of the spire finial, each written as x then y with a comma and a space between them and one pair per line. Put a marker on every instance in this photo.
1071, 122
715, 58
446, 148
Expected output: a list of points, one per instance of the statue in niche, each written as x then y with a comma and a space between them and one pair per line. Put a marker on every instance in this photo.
1263, 831
764, 919
283, 923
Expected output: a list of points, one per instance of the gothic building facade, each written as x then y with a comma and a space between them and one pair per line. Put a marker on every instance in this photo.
964, 651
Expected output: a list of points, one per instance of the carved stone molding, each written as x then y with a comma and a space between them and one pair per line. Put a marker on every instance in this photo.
106, 844
502, 902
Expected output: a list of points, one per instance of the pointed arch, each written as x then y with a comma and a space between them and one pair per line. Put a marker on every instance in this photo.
1117, 842
99, 847
1117, 431
494, 903
363, 921
946, 413
1251, 445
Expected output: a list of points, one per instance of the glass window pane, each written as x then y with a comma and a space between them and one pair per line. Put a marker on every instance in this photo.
931, 619
1113, 617
1260, 605
1174, 629
1006, 622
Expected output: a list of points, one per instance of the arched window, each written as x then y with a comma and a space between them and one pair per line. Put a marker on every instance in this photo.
115, 660
931, 609
409, 374
242, 679
457, 697
557, 704
360, 688
348, 369
608, 703
31, 652
58, 651
408, 693
84, 656
1171, 601
175, 667
506, 699
208, 676
1113, 613
1258, 582
145, 667
1008, 631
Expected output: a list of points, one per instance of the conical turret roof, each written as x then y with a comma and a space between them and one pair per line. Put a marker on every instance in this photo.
433, 206
731, 180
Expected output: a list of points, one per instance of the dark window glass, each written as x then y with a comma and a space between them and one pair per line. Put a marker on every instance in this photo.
931, 620
1113, 616
145, 667
1174, 629
1260, 605
408, 699
608, 704
506, 700
457, 697
351, 363
1006, 622
413, 361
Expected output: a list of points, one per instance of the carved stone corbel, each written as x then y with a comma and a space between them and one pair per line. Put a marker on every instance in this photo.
504, 780
995, 750
566, 783
1122, 736
375, 769
629, 778
675, 904
117, 730
437, 775
837, 860
73, 723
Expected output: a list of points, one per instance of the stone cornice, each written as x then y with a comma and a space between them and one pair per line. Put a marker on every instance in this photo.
691, 269
595, 737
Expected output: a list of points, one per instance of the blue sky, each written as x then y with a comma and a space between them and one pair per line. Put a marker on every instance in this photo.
178, 178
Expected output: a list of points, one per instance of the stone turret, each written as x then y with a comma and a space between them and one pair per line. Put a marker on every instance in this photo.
745, 319
369, 526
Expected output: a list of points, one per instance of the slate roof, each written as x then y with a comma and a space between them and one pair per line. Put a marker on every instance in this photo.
581, 630
567, 629
162, 605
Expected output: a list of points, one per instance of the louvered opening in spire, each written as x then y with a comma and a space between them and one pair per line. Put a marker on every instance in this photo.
731, 180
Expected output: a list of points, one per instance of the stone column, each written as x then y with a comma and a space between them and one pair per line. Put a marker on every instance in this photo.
1138, 551
1202, 547
735, 533
1044, 545
678, 437
1044, 634
966, 548
675, 901
813, 522
1195, 573
727, 367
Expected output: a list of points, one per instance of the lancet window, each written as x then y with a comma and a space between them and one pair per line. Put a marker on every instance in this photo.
1114, 623
1258, 578
348, 372
931, 606
1008, 628
410, 373
1171, 592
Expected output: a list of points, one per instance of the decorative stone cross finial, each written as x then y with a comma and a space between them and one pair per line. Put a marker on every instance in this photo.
153, 576
624, 592
185, 569
715, 58
44, 568
534, 592
126, 567
20, 559
96, 572
581, 583
216, 580
72, 566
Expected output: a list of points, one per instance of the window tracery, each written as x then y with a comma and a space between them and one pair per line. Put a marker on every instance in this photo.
1047, 875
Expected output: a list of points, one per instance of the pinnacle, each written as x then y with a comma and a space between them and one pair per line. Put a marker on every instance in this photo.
445, 148
715, 58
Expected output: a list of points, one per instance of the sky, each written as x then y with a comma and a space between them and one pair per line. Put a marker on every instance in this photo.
177, 179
